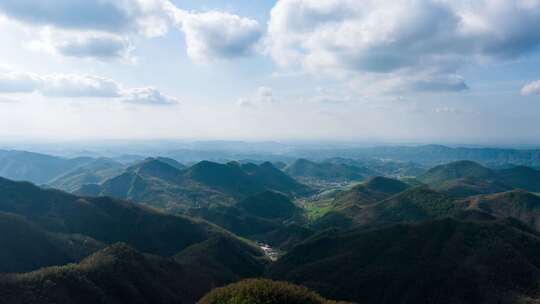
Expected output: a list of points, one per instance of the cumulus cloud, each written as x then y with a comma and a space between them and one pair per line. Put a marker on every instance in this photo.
532, 88
102, 29
452, 83
13, 82
148, 96
215, 35
434, 37
72, 85
95, 45
102, 15
80, 86
90, 29
261, 96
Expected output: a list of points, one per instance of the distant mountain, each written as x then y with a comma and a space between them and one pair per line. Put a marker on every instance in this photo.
457, 170
93, 172
120, 274
437, 154
394, 168
442, 261
259, 291
466, 178
328, 171
160, 184
34, 167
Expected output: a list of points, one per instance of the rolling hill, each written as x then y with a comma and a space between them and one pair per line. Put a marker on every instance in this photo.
517, 204
457, 170
412, 205
370, 192
160, 184
441, 261
467, 178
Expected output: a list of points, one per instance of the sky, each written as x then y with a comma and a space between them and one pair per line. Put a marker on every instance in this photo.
432, 71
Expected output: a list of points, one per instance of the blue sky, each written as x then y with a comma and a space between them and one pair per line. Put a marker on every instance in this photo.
382, 71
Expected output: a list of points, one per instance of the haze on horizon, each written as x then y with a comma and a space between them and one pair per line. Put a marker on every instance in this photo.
453, 71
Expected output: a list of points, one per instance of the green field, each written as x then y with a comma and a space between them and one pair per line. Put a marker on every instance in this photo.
316, 209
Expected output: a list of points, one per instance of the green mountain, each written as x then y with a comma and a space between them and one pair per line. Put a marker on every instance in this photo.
103, 219
120, 274
160, 184
465, 187
521, 177
93, 172
222, 260
26, 246
326, 171
441, 261
171, 162
370, 192
517, 204
466, 178
416, 204
412, 205
457, 170
244, 180
269, 217
269, 205
259, 291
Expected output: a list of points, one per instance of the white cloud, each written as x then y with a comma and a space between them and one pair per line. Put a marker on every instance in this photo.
219, 35
14, 82
401, 38
100, 29
103, 29
72, 85
80, 86
261, 96
114, 16
532, 88
95, 45
148, 96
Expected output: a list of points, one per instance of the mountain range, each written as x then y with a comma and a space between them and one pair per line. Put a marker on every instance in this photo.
157, 231
466, 178
168, 186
